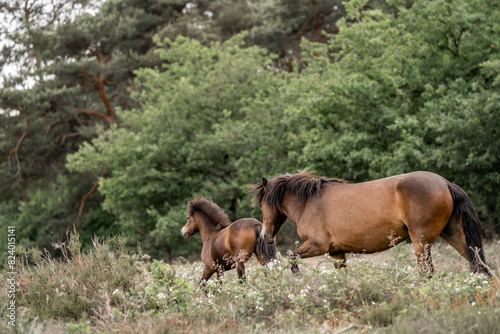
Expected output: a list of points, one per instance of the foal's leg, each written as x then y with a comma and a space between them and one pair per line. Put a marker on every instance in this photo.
207, 273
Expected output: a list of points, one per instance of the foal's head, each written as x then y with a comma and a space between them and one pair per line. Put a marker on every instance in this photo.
203, 212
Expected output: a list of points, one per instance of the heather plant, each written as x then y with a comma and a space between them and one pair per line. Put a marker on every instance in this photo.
100, 284
110, 289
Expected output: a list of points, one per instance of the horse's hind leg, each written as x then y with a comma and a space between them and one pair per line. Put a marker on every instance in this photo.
422, 247
293, 264
425, 224
454, 235
240, 269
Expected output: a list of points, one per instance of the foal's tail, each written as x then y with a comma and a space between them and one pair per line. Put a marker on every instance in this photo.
265, 252
462, 205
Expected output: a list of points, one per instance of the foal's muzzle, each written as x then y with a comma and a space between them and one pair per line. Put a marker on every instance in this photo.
184, 233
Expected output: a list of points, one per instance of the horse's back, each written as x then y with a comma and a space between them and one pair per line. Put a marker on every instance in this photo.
421, 182
404, 196
415, 185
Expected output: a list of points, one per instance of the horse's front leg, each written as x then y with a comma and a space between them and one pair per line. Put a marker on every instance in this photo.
336, 254
307, 249
341, 260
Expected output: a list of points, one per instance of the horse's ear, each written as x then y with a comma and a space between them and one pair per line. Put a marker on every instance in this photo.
264, 181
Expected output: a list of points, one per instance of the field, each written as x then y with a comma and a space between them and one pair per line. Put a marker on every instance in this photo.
112, 290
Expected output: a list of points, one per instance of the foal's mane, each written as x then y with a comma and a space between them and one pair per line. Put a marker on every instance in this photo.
215, 215
303, 185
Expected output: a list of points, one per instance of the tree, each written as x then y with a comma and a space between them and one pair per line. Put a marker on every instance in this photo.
405, 92
76, 64
207, 126
375, 89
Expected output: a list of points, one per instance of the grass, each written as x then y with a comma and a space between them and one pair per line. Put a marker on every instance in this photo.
111, 290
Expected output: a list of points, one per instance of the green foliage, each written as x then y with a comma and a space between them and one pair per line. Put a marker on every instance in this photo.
79, 328
395, 90
166, 288
50, 214
188, 105
76, 62
405, 92
212, 134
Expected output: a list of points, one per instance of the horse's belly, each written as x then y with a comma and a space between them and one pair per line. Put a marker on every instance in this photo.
369, 238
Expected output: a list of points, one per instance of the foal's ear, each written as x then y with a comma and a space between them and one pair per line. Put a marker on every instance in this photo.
264, 181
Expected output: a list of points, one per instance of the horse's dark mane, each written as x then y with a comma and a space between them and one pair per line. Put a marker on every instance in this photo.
303, 185
215, 215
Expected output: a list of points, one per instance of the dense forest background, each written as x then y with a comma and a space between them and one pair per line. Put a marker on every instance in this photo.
114, 114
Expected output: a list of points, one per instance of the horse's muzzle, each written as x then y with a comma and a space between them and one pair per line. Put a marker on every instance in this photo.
184, 234
266, 236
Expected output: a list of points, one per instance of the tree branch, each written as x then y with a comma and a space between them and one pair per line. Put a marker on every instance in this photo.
99, 84
317, 25
98, 55
66, 136
16, 149
48, 130
96, 113
82, 202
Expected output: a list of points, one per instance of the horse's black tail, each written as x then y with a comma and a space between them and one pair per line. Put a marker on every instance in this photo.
265, 252
471, 226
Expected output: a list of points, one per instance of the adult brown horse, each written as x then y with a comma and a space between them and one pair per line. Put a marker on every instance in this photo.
225, 245
337, 217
